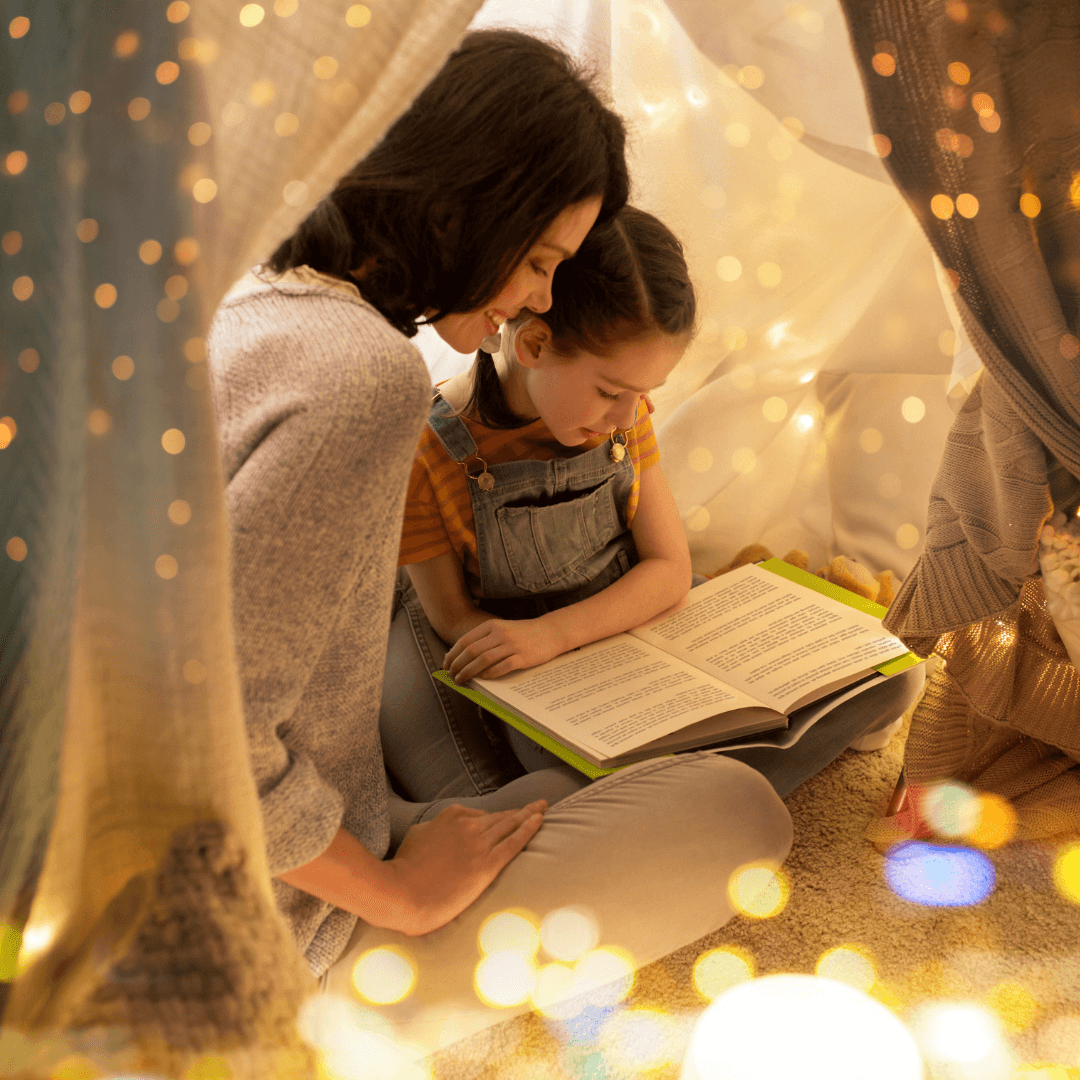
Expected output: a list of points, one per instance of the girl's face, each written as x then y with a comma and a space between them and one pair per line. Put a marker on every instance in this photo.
592, 395
529, 284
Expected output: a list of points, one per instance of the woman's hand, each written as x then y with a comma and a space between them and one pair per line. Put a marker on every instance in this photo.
444, 864
498, 646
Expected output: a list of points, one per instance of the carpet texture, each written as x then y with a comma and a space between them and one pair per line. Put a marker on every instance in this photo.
1017, 953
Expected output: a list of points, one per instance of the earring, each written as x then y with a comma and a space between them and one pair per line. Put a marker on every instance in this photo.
618, 449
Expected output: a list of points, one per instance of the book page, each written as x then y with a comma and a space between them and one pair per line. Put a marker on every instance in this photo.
613, 695
771, 638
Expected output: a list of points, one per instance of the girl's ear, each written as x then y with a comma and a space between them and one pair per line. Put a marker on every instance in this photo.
530, 341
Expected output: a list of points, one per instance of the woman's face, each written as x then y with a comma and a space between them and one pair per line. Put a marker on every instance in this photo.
529, 285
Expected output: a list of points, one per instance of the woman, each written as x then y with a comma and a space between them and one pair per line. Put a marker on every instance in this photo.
460, 216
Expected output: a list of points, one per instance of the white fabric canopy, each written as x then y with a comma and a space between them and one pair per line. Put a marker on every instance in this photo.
811, 409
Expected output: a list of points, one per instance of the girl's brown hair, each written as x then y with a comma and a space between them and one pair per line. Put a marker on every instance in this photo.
628, 280
507, 135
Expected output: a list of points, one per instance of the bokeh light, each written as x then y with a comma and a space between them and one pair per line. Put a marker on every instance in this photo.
358, 15
720, 969
728, 268
759, 891
638, 1040
1014, 1005
286, 124
952, 809
8, 431
295, 193
251, 15
167, 72
204, 191
935, 875
29, 359
774, 409
830, 1031
12, 242
743, 460
384, 975
149, 252
997, 822
87, 230
871, 440
138, 108
606, 974
166, 567
700, 459
1067, 872
55, 113
123, 367
22, 288
884, 64
769, 274
15, 162
941, 206
19, 26
179, 512
504, 979
913, 409
967, 205
98, 422
553, 989
907, 536
79, 102
737, 134
354, 1043
849, 964
177, 11
326, 67
959, 73
173, 441
284, 8
199, 133
698, 518
959, 1034
509, 931
16, 549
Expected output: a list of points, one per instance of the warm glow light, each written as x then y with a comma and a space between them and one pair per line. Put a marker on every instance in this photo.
774, 409
87, 230
871, 440
606, 974
251, 15
638, 1040
1030, 204
759, 891
358, 15
698, 518
737, 134
804, 422
177, 11
1014, 1005
203, 191
19, 26
176, 287
8, 431
728, 268
149, 252
295, 193
186, 250
199, 133
720, 969
951, 808
12, 243
983, 104
79, 102
504, 979
166, 567
1067, 872
15, 162
509, 931
22, 288
286, 124
955, 1033
17, 102
907, 536
752, 77
997, 822
967, 205
913, 409
991, 123
938, 876
700, 459
848, 964
384, 975
769, 274
326, 67
173, 441
105, 295
29, 360
54, 113
167, 73
138, 108
959, 73
16, 551
884, 64
832, 1031
98, 422
284, 8
881, 145
354, 1043
123, 367
195, 350
942, 207
126, 44
553, 989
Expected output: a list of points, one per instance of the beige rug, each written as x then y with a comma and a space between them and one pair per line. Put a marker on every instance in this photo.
1018, 952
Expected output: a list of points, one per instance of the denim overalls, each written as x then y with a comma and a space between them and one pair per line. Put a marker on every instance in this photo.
548, 533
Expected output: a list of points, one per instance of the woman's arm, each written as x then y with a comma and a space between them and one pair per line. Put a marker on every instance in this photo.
442, 866
660, 579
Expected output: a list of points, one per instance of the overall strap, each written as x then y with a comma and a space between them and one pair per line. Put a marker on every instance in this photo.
450, 430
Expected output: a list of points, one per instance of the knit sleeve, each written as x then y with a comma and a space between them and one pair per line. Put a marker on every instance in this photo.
319, 406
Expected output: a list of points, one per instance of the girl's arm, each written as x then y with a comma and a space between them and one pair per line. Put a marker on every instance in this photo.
493, 647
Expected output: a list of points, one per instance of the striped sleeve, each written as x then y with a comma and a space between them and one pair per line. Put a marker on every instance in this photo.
641, 441
423, 535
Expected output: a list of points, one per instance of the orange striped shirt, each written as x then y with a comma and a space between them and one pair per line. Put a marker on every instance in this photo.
438, 510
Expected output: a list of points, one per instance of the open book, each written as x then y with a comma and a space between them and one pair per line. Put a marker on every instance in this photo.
733, 659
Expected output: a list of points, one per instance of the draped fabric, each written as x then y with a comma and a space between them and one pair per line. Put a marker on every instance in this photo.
154, 151
979, 102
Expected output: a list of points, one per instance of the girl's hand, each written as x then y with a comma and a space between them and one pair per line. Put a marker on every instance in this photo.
444, 864
498, 646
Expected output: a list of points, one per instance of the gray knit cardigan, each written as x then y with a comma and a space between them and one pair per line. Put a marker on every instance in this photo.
319, 405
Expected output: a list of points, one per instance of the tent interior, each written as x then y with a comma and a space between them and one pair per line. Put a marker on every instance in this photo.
810, 412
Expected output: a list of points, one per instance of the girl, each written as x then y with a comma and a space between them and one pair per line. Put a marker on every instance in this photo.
536, 495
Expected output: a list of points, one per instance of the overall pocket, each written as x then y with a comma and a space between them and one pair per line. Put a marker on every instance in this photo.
545, 543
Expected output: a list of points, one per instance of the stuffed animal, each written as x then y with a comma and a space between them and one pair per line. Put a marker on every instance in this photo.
847, 573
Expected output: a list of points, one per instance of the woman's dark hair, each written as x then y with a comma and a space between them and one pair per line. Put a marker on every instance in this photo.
628, 280
507, 135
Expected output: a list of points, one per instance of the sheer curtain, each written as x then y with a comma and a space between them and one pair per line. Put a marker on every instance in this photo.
159, 150
812, 407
